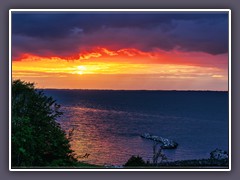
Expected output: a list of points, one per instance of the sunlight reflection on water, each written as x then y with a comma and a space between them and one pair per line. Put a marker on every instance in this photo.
111, 137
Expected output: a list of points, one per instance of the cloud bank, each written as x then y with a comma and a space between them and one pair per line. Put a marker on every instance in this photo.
67, 35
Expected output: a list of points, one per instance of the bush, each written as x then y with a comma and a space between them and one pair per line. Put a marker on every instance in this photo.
135, 161
37, 139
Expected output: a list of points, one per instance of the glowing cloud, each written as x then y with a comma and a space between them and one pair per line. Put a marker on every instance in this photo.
122, 51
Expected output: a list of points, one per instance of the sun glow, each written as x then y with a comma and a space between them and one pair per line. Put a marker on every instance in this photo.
81, 69
121, 69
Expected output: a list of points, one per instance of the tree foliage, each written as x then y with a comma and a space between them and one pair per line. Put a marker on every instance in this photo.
37, 139
135, 161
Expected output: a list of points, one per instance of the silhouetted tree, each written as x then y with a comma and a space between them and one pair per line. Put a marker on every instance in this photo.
135, 161
37, 139
158, 154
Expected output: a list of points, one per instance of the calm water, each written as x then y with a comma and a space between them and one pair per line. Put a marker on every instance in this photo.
108, 123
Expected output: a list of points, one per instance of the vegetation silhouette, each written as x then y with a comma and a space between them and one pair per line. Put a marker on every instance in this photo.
135, 161
37, 139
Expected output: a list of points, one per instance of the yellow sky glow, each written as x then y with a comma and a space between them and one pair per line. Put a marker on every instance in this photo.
58, 73
122, 69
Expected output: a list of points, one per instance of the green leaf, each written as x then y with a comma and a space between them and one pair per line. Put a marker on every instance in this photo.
22, 150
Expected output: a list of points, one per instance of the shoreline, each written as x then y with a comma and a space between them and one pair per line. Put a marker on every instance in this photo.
178, 164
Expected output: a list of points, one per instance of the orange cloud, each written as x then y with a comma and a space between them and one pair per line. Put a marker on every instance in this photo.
131, 55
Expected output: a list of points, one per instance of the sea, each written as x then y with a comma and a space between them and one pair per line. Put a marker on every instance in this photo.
107, 124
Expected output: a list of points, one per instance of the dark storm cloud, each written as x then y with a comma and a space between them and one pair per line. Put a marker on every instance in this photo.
66, 34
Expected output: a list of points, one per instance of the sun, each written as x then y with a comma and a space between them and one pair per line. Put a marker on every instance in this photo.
81, 69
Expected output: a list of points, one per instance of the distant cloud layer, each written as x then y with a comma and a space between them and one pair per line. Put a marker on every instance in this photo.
68, 34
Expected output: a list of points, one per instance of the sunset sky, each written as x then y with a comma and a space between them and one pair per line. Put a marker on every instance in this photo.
121, 50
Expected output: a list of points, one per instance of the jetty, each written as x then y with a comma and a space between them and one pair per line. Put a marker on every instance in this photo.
166, 143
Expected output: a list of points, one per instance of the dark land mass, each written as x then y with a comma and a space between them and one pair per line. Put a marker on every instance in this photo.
188, 164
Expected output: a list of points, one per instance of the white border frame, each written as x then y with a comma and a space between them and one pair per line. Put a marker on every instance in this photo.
120, 10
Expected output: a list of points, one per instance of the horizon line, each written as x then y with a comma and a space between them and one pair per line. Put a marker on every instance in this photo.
132, 89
